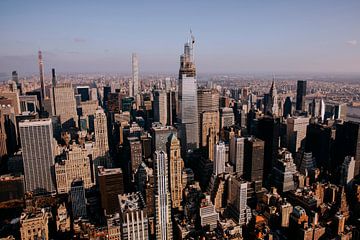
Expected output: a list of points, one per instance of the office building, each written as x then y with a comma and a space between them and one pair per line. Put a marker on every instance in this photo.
12, 187
288, 107
307, 163
208, 215
111, 184
188, 104
227, 117
347, 142
254, 159
84, 92
320, 141
160, 107
160, 135
75, 164
219, 158
133, 217
162, 197
268, 130
38, 154
135, 154
101, 133
347, 171
208, 101
296, 132
176, 165
65, 105
300, 95
78, 199
284, 171
35, 224
237, 200
237, 154
209, 131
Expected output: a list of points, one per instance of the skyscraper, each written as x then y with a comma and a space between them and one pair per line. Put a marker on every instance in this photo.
287, 107
78, 200
41, 71
176, 165
162, 197
254, 159
208, 101
65, 105
101, 133
133, 220
160, 107
111, 184
37, 145
237, 199
209, 131
273, 103
300, 95
135, 75
188, 105
227, 117
296, 132
68, 169
237, 154
220, 158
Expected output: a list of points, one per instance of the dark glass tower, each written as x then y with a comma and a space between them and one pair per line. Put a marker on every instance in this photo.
300, 95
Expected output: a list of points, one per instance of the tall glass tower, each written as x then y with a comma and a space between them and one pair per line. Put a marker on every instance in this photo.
188, 107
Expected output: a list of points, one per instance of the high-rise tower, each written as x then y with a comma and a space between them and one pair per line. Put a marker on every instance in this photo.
135, 75
274, 105
65, 105
41, 71
101, 133
162, 197
188, 106
176, 166
300, 95
38, 154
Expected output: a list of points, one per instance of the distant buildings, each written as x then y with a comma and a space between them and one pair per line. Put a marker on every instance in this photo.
135, 76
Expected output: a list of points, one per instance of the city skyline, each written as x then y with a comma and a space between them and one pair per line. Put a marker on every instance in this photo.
230, 38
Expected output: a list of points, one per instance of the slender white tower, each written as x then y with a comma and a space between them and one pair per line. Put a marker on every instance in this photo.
135, 75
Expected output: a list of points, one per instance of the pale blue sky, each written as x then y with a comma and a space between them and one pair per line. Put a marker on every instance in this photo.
231, 36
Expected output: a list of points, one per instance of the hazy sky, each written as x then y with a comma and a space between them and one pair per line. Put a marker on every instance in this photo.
231, 36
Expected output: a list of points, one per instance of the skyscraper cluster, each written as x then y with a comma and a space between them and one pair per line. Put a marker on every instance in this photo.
170, 157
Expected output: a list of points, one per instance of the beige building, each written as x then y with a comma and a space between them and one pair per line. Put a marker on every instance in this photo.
75, 165
34, 225
89, 107
101, 134
208, 101
209, 131
176, 165
65, 104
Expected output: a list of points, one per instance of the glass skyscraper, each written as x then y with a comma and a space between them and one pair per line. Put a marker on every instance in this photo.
188, 107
